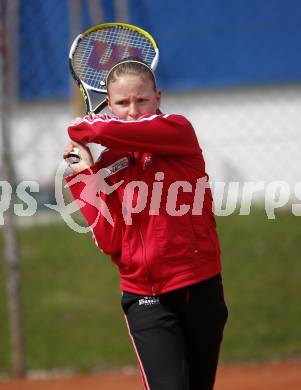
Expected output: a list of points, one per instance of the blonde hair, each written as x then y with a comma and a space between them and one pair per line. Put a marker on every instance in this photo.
132, 66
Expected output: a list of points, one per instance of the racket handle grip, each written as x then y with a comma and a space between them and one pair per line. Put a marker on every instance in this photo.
74, 156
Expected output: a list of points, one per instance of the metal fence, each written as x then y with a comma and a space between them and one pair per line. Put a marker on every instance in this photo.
247, 133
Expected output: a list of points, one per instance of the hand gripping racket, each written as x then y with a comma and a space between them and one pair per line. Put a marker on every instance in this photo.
95, 51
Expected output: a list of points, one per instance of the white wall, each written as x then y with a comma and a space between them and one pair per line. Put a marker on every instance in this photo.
246, 134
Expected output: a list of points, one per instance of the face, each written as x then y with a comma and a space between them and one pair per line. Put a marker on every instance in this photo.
131, 96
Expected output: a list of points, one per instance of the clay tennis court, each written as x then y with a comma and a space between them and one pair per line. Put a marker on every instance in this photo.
275, 376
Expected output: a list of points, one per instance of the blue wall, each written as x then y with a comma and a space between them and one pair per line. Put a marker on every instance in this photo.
203, 43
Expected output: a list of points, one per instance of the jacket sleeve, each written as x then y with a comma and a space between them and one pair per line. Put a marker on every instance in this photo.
161, 134
101, 211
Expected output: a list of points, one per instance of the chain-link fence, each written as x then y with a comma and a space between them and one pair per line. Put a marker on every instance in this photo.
247, 134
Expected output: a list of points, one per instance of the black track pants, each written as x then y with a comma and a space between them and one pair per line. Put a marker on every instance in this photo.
177, 335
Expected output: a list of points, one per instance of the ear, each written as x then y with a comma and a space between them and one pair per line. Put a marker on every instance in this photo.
158, 96
108, 102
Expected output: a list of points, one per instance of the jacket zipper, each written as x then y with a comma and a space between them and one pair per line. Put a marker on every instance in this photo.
145, 263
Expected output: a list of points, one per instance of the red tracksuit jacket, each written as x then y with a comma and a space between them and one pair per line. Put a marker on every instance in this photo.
169, 241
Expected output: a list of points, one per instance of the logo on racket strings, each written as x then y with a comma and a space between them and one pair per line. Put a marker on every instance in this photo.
104, 56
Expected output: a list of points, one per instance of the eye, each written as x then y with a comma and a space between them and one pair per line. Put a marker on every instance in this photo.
122, 103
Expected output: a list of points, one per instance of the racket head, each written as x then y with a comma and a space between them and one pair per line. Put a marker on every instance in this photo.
95, 51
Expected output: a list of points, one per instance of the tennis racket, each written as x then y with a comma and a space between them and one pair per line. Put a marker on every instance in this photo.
95, 51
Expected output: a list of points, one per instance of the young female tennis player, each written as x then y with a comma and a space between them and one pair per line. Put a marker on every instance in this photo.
158, 228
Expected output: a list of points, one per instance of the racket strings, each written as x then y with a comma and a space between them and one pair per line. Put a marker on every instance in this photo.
98, 51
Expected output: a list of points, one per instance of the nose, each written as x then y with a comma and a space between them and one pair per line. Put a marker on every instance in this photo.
133, 112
